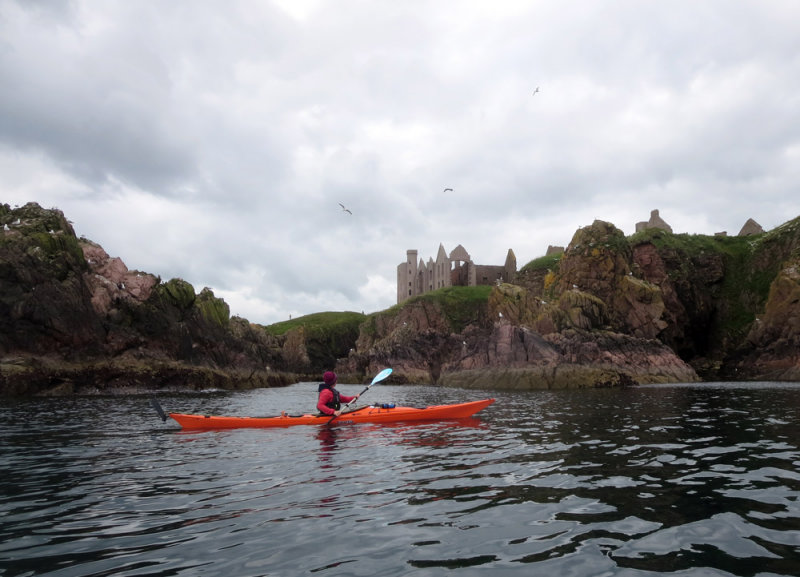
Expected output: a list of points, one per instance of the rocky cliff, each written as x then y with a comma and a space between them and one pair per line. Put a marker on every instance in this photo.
770, 349
656, 307
74, 319
608, 311
590, 323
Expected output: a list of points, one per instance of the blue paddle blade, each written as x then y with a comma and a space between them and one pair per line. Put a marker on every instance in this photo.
382, 375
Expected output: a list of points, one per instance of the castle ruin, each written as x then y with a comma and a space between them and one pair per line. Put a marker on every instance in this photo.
655, 222
750, 227
456, 269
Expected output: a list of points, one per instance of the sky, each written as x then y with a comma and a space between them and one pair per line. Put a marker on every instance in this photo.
214, 141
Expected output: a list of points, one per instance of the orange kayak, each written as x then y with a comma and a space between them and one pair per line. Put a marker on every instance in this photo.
374, 414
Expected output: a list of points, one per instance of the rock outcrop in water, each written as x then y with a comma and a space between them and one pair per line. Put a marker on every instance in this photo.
74, 319
608, 311
591, 324
656, 307
771, 350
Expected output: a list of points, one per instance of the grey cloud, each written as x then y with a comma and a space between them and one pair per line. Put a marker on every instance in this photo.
221, 140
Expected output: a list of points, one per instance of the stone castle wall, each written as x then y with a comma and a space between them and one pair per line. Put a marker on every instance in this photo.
655, 222
416, 277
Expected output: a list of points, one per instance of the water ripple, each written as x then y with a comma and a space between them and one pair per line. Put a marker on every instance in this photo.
650, 481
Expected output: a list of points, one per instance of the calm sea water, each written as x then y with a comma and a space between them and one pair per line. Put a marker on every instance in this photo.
683, 480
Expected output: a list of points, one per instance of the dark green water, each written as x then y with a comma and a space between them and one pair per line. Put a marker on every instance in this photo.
681, 480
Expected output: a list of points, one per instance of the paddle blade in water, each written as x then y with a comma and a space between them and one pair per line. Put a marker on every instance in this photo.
157, 407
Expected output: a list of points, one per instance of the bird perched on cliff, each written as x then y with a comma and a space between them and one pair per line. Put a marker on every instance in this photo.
345, 209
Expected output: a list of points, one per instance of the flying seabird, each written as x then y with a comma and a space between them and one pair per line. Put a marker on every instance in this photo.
535, 91
448, 190
345, 209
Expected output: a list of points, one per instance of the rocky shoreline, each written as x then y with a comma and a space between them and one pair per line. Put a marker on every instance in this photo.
610, 311
33, 376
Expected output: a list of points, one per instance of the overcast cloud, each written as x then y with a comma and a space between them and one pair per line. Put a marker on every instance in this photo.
213, 141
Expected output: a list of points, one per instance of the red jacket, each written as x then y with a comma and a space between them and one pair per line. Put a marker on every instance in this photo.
326, 396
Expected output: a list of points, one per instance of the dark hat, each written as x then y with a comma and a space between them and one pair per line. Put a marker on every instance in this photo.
329, 377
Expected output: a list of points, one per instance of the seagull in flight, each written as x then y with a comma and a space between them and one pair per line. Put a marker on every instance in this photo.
345, 209
448, 190
535, 91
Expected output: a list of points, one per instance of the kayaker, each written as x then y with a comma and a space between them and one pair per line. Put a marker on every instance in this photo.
330, 400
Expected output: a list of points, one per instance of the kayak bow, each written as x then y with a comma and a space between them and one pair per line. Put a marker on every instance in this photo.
370, 414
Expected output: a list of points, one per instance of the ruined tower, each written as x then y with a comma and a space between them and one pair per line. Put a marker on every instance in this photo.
456, 269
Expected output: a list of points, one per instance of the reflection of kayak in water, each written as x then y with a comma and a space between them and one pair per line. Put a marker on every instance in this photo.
370, 414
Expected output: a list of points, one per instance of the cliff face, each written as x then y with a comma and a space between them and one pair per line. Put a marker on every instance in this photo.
591, 324
311, 344
771, 350
718, 291
45, 300
609, 311
656, 307
64, 300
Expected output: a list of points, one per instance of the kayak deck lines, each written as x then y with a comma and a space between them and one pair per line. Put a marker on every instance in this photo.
367, 414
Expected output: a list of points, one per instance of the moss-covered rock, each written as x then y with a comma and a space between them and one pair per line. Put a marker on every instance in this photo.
85, 309
772, 348
178, 292
610, 310
213, 310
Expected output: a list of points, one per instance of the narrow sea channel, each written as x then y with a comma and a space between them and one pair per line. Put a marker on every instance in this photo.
685, 480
